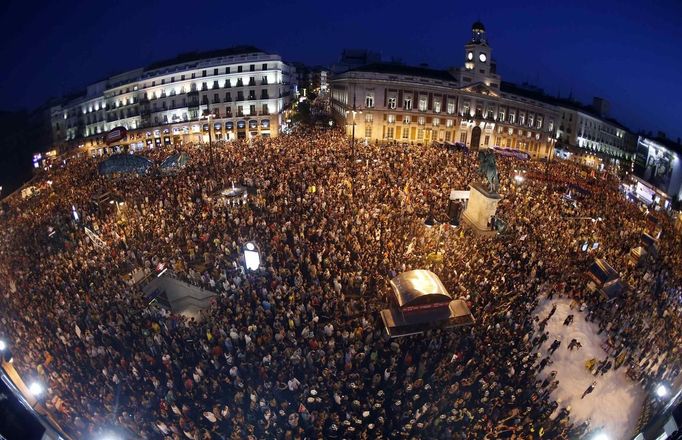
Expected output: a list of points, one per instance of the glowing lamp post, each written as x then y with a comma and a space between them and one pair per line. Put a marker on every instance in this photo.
36, 389
662, 391
251, 256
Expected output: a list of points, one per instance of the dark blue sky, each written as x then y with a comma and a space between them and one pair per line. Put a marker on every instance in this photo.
625, 51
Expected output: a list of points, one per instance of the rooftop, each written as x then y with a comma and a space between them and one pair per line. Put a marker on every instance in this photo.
194, 56
401, 69
539, 95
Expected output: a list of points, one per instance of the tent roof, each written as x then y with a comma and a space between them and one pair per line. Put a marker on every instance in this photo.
603, 271
419, 287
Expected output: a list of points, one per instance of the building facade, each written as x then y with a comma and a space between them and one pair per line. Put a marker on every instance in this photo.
588, 128
392, 102
243, 89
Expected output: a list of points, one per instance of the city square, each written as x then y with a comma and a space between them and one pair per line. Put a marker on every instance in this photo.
389, 252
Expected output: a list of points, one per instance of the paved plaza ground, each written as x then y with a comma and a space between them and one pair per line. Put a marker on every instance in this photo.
616, 401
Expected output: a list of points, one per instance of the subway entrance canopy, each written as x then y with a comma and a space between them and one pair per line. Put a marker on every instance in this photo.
419, 302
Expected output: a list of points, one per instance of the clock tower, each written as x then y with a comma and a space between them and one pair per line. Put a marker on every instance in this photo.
478, 63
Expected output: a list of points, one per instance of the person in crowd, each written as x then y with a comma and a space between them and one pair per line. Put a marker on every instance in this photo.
589, 389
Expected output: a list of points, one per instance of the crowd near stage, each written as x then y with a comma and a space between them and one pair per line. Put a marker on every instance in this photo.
286, 337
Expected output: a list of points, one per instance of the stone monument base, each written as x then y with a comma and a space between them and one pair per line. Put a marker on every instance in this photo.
480, 209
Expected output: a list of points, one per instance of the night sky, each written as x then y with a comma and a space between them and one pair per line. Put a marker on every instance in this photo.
625, 51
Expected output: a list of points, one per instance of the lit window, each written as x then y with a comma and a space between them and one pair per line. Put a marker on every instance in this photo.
392, 102
436, 106
422, 104
407, 103
369, 100
391, 119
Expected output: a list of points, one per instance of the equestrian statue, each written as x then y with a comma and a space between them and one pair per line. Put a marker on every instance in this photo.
488, 168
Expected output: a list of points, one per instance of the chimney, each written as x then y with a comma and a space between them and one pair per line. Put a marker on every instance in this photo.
600, 105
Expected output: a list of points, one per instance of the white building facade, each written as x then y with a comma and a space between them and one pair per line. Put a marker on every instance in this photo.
468, 105
586, 130
244, 90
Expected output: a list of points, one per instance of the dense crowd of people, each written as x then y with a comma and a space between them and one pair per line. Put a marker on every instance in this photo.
297, 349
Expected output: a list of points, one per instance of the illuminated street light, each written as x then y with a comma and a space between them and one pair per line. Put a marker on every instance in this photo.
600, 436
36, 389
251, 256
662, 390
3, 345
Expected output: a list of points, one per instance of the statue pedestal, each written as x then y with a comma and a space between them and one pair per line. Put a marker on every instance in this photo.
480, 209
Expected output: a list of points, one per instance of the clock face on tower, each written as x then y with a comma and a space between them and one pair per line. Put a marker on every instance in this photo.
470, 56
482, 57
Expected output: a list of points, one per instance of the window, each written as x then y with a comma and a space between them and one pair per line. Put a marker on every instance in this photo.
486, 140
182, 77
228, 84
264, 80
369, 100
448, 123
228, 97
512, 117
240, 96
215, 71
422, 104
265, 66
368, 117
551, 125
252, 80
227, 70
436, 106
368, 131
252, 68
203, 73
407, 103
252, 109
500, 115
531, 120
420, 134
216, 98
391, 102
451, 107
406, 119
448, 136
421, 120
265, 110
228, 112
239, 69
215, 85
240, 83
389, 132
252, 95
406, 133
391, 119
463, 137
240, 110
466, 107
522, 118
436, 122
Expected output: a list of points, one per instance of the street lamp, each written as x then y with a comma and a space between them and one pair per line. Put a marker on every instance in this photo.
251, 256
208, 117
662, 390
36, 389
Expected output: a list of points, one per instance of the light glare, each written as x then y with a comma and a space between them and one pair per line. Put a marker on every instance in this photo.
36, 389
